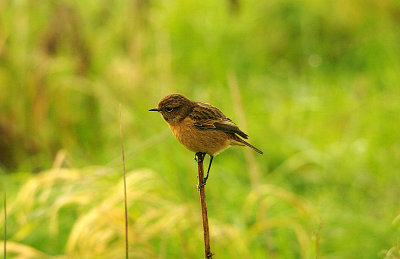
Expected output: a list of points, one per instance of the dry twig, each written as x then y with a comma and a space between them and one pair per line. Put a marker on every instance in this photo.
201, 186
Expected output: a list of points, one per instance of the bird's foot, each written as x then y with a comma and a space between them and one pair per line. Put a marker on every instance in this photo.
199, 157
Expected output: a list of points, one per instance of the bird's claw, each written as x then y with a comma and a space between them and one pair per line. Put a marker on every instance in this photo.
199, 156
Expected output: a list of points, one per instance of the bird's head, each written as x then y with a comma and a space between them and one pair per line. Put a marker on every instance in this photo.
174, 107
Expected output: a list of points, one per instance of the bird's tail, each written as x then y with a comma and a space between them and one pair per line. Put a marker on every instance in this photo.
249, 145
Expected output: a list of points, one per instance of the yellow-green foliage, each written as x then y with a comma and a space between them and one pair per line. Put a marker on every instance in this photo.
159, 225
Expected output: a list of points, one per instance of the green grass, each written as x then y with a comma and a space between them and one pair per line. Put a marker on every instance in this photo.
319, 87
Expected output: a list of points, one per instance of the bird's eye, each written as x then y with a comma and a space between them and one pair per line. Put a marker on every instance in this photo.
169, 109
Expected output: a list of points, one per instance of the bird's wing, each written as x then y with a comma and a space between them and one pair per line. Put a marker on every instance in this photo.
207, 117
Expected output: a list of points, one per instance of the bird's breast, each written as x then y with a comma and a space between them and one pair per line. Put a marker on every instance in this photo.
208, 141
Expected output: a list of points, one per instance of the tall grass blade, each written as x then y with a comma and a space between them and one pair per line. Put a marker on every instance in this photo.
5, 222
125, 198
254, 171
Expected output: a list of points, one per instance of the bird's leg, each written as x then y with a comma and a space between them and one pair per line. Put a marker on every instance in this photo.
199, 157
208, 170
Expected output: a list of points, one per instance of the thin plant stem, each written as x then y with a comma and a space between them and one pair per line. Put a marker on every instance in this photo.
125, 198
201, 186
317, 240
5, 222
254, 171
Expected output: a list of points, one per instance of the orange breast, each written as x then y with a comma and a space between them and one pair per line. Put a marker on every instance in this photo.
208, 141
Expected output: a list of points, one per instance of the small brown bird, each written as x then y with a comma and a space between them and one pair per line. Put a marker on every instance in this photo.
200, 127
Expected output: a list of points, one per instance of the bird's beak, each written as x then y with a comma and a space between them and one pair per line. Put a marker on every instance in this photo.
154, 110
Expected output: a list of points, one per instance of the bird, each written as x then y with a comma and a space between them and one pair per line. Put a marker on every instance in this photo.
200, 127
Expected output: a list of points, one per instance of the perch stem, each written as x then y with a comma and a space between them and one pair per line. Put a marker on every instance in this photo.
201, 186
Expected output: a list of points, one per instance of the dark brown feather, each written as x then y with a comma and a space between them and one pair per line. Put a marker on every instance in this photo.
229, 127
208, 117
249, 145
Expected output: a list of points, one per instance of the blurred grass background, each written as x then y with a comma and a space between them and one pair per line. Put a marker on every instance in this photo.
315, 84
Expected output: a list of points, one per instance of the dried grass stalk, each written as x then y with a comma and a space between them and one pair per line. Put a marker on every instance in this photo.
201, 186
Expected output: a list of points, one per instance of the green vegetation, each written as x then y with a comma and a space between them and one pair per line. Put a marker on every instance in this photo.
315, 84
